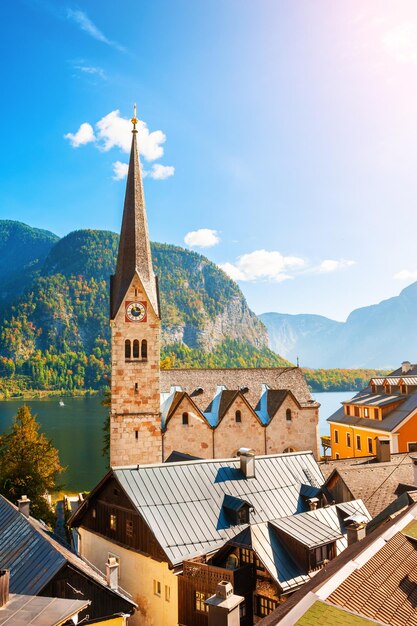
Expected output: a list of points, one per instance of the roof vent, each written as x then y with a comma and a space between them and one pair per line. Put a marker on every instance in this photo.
223, 607
406, 367
24, 506
383, 449
356, 527
247, 462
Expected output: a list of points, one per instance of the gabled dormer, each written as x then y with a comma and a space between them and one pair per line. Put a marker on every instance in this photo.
236, 510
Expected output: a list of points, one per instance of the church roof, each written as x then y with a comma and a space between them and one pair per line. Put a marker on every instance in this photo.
134, 256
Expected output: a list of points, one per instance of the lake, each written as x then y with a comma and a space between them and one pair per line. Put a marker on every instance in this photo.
76, 430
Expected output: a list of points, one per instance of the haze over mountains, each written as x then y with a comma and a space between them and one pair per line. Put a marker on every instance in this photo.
381, 335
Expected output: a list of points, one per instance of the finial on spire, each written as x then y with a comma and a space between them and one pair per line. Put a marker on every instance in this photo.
134, 119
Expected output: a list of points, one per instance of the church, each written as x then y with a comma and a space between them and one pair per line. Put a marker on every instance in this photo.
200, 413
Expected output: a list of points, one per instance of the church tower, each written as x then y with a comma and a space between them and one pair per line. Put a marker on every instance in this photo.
135, 425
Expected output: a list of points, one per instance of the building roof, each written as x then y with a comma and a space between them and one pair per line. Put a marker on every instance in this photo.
375, 578
375, 399
182, 503
23, 610
324, 613
388, 424
34, 555
377, 484
134, 255
412, 371
209, 380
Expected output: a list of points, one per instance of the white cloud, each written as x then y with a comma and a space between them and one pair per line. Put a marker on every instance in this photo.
160, 172
115, 131
83, 21
406, 275
263, 265
401, 41
202, 238
91, 70
85, 134
120, 170
331, 265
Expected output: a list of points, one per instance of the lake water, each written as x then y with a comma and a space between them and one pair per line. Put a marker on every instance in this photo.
76, 430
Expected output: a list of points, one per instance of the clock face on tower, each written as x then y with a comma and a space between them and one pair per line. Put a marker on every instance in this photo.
136, 311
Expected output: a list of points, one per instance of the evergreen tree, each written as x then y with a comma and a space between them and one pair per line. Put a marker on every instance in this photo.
29, 464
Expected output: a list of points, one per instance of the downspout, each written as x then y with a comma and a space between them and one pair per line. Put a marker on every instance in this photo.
162, 445
213, 429
266, 452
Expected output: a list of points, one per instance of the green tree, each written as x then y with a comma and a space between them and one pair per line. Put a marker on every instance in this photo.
29, 464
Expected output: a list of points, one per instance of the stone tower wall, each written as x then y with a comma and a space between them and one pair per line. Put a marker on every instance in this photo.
135, 427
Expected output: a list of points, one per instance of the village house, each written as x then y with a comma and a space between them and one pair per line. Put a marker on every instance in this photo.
372, 582
40, 565
203, 413
385, 410
263, 524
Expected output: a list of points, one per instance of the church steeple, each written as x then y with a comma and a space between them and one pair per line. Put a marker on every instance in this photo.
134, 255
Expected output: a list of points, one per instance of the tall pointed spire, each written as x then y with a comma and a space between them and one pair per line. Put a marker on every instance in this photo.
134, 255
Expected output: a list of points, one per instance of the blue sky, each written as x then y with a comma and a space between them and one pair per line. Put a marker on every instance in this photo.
279, 136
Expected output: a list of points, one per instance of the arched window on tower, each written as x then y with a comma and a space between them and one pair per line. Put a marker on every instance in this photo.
238, 416
144, 349
288, 415
136, 349
127, 349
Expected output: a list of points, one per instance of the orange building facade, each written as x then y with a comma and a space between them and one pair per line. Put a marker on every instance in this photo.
386, 409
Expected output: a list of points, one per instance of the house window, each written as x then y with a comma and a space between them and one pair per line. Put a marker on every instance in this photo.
136, 387
129, 528
370, 447
366, 412
127, 349
358, 442
287, 450
264, 606
242, 610
376, 414
246, 556
321, 554
156, 588
136, 435
238, 416
185, 419
93, 514
136, 349
347, 407
113, 521
337, 456
412, 446
167, 593
403, 388
373, 388
243, 515
199, 599
356, 410
336, 436
144, 349
348, 441
288, 415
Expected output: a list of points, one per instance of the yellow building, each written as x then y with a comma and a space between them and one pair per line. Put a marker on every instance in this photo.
386, 409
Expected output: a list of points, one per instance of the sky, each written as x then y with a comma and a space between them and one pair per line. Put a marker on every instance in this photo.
277, 137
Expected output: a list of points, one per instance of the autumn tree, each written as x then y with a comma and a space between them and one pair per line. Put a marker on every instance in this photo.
29, 463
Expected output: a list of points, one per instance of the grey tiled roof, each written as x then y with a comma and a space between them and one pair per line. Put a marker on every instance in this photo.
183, 502
377, 484
23, 610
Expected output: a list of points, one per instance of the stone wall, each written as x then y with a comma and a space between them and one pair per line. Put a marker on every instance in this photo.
135, 435
194, 438
230, 435
299, 433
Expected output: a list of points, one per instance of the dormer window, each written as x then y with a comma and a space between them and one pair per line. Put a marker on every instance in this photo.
236, 510
320, 555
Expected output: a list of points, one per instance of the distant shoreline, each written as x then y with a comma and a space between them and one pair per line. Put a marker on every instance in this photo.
36, 394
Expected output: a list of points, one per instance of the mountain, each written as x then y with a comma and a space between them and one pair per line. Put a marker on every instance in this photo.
54, 330
377, 336
22, 252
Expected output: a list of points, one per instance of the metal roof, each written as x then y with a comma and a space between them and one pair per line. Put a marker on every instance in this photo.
33, 555
182, 502
23, 610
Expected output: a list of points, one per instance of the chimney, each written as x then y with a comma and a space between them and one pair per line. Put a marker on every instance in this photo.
112, 573
4, 586
24, 505
313, 503
405, 367
223, 607
383, 449
247, 462
356, 527
413, 458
